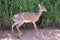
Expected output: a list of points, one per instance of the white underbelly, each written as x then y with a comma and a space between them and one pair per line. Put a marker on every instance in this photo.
26, 21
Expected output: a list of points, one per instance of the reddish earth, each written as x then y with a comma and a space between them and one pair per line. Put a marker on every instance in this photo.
29, 34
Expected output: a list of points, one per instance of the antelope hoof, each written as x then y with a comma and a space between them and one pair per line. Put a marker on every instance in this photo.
37, 31
12, 31
21, 34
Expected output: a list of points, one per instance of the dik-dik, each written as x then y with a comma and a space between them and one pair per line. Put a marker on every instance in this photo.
26, 17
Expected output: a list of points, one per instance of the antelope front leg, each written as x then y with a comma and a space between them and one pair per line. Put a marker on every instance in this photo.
13, 26
35, 27
18, 27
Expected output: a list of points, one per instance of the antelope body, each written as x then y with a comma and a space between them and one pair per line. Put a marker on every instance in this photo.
27, 17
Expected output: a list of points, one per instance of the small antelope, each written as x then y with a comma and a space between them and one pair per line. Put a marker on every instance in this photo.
27, 17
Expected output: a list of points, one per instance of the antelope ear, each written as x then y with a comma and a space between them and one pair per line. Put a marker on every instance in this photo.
39, 5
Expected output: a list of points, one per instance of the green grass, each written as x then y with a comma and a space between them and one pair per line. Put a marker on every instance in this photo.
10, 7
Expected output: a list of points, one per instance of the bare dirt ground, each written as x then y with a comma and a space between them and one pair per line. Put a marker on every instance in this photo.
29, 34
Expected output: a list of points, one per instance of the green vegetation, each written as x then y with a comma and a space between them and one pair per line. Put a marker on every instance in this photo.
10, 7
